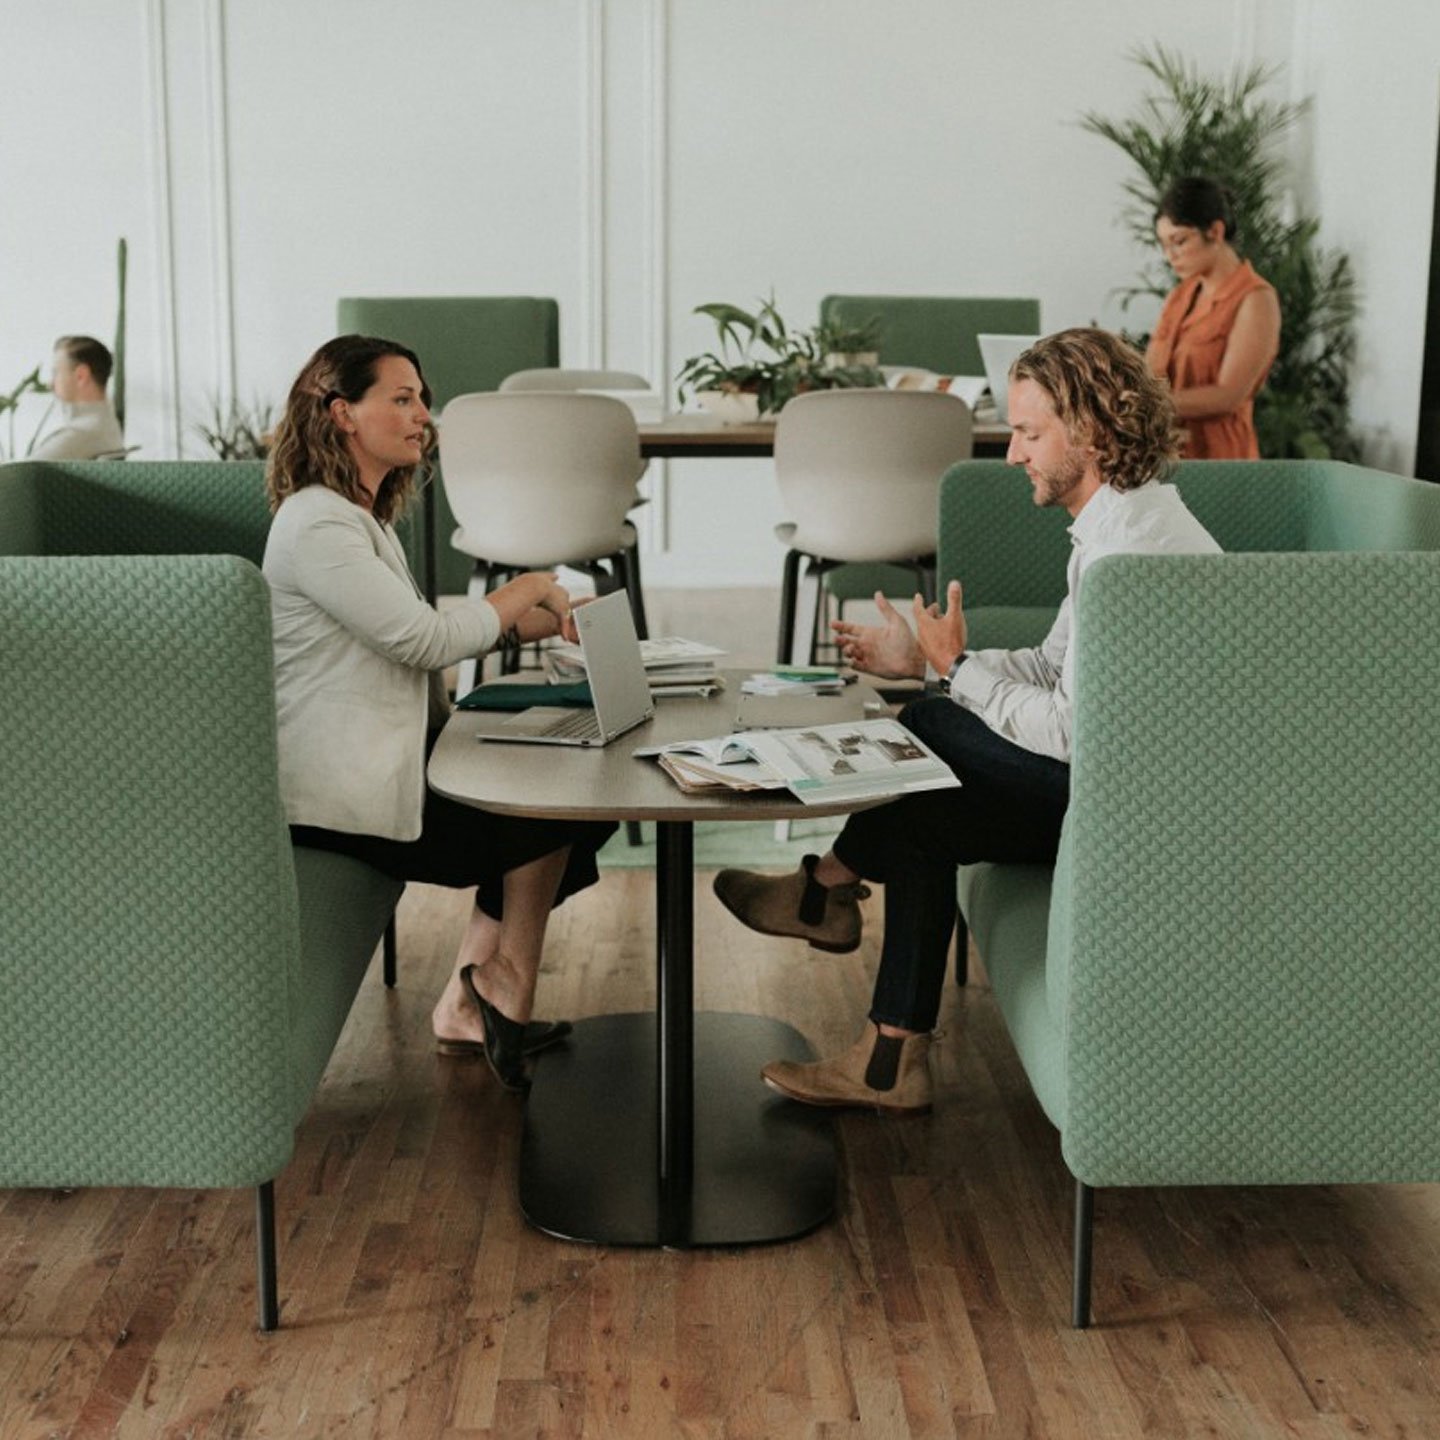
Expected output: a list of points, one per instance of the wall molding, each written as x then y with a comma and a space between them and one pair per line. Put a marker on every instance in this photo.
162, 181
593, 209
657, 247
222, 261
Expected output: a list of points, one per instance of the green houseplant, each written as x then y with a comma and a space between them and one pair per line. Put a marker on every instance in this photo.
10, 403
849, 346
761, 363
1229, 130
236, 431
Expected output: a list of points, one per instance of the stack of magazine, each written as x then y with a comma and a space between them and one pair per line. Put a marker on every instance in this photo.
672, 666
818, 764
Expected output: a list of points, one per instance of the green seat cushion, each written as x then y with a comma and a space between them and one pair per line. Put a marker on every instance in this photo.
1007, 908
344, 908
1007, 627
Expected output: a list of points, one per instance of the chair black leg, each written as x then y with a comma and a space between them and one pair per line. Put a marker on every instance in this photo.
265, 1288
627, 566
925, 575
789, 588
1084, 1234
634, 835
390, 953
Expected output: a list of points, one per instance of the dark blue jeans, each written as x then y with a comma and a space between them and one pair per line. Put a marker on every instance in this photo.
1009, 807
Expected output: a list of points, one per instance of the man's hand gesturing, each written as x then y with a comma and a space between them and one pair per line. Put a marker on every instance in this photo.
941, 635
888, 650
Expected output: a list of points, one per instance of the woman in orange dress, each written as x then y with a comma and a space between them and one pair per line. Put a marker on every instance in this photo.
1219, 330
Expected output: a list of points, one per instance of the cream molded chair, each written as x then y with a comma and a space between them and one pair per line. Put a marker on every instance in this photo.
860, 472
551, 378
538, 480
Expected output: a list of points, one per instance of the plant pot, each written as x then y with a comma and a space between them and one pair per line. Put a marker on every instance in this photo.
730, 407
852, 360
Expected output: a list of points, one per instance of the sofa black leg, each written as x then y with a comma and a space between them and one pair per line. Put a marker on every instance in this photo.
265, 1288
962, 949
390, 944
1084, 1234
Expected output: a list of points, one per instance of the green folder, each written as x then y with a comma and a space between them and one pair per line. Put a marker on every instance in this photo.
521, 697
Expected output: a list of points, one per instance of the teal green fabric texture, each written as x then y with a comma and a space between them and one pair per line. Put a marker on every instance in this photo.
934, 332
1010, 906
1253, 981
172, 995
1011, 555
149, 912
344, 907
466, 343
1238, 969
138, 507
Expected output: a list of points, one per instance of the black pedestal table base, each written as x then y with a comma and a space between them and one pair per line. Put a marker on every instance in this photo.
657, 1129
763, 1167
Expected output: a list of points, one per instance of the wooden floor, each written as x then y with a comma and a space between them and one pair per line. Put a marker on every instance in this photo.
415, 1302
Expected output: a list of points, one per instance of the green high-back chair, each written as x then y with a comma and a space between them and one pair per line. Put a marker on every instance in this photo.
466, 343
934, 332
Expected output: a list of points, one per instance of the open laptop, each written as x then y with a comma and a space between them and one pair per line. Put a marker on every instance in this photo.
999, 353
617, 685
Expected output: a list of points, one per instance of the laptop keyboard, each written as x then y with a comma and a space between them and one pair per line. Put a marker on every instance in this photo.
578, 725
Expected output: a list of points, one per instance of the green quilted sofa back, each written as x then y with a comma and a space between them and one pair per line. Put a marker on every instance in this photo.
934, 332
146, 872
134, 507
1243, 929
141, 507
1011, 555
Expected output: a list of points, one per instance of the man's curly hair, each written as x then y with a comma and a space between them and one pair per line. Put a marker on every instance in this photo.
1106, 398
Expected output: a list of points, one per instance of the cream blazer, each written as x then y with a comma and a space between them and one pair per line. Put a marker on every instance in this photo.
357, 656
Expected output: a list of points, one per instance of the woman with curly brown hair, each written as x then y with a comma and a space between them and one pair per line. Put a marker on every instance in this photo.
358, 653
1095, 432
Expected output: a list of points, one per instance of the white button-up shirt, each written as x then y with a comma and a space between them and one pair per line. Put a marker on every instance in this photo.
1027, 695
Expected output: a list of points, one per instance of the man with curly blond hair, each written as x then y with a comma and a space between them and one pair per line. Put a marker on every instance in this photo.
1096, 434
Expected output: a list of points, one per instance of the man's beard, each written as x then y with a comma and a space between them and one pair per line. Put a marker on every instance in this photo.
1054, 485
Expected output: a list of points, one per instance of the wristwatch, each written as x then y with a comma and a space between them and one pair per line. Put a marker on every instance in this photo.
954, 669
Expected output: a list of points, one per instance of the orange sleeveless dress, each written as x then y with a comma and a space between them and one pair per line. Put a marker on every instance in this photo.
1187, 348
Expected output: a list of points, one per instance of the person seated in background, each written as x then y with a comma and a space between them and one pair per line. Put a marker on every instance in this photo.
1095, 432
1219, 331
358, 656
81, 425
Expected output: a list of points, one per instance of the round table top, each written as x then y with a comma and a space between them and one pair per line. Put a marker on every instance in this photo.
571, 782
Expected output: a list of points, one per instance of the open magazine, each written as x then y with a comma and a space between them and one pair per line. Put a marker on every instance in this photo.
819, 764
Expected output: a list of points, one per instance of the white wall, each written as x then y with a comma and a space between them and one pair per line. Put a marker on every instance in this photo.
633, 160
1373, 172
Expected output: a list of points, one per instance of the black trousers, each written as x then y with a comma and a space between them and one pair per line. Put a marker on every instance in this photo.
1009, 807
460, 846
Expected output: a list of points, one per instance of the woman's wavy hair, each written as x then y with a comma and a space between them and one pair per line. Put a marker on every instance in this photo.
310, 449
1107, 399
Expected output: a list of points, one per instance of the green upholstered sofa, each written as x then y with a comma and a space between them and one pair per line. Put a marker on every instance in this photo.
176, 973
1231, 975
466, 343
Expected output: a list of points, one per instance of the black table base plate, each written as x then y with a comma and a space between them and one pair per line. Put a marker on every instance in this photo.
764, 1167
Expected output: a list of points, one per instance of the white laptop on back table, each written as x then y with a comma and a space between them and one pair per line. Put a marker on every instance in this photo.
617, 685
999, 353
